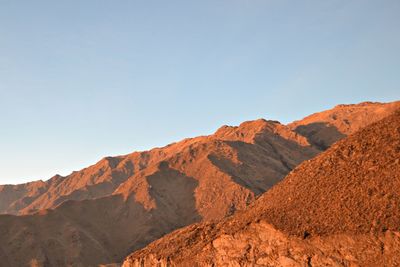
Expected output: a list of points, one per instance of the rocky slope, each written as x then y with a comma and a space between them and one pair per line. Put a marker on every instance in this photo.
340, 209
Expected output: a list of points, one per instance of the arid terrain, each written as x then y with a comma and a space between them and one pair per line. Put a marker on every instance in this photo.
335, 204
340, 209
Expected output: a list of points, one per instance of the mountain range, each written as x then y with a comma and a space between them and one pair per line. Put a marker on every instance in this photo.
102, 213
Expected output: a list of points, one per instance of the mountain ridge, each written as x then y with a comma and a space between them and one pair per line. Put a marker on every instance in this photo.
167, 188
104, 177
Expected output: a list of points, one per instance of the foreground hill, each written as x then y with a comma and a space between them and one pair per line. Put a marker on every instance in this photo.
340, 209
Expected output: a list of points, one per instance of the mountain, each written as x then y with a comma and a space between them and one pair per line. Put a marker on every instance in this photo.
102, 213
103, 178
137, 198
341, 208
254, 155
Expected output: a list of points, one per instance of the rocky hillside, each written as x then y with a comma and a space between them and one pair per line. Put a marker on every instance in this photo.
340, 209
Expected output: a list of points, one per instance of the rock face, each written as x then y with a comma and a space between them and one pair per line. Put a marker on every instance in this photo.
340, 209
102, 213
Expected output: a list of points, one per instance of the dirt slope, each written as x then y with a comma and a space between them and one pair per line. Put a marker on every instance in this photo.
340, 209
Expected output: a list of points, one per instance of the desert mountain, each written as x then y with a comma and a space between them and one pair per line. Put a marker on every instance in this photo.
103, 178
102, 213
255, 155
137, 198
341, 208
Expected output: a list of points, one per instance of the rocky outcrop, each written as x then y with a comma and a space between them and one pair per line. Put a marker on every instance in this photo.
260, 244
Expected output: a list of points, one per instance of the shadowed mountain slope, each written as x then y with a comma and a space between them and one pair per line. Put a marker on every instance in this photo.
340, 209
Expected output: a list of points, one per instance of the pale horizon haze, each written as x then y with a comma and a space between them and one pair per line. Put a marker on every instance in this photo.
81, 80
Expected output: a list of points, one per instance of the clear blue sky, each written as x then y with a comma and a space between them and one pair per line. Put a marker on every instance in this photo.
80, 80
